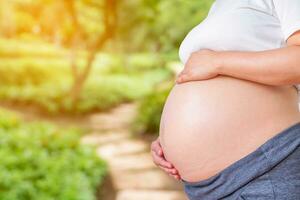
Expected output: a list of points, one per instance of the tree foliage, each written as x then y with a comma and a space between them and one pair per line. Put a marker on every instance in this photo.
83, 28
142, 25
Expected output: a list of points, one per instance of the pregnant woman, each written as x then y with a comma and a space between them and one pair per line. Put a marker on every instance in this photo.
230, 128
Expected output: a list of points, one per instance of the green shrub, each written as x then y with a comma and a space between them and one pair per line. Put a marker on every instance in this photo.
39, 74
135, 63
43, 162
150, 109
19, 47
32, 71
33, 82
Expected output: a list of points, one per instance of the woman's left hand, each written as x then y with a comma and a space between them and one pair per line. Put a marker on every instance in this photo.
201, 65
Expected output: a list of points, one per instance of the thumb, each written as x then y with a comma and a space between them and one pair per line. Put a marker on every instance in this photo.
184, 78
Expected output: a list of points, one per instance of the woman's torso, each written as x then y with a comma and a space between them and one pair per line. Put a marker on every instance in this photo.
207, 125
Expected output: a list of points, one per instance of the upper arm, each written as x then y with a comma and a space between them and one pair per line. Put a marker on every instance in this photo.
288, 13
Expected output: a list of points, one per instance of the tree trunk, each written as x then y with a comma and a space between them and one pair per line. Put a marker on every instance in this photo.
80, 78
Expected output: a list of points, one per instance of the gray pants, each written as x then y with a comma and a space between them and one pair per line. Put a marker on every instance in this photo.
270, 172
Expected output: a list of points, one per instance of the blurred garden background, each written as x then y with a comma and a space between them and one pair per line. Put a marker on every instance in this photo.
82, 86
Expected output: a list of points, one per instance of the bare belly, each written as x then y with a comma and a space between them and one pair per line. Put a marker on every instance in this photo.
208, 125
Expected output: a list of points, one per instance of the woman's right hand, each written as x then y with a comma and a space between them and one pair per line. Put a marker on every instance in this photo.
160, 161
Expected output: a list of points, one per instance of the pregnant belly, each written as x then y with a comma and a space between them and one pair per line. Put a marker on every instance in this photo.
208, 125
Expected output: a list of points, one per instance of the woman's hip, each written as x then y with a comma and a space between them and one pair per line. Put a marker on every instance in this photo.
271, 171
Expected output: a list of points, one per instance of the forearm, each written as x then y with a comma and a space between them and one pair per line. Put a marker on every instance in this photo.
271, 67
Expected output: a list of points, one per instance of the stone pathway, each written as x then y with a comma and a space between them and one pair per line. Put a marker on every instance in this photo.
134, 175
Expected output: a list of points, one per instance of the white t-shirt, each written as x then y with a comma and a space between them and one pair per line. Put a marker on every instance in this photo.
245, 25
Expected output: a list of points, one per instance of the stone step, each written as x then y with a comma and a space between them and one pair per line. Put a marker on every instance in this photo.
150, 195
131, 162
144, 179
123, 147
100, 138
118, 118
133, 174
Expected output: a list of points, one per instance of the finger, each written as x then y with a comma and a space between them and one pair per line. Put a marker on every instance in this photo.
183, 78
160, 153
177, 177
172, 171
182, 72
160, 161
156, 148
192, 77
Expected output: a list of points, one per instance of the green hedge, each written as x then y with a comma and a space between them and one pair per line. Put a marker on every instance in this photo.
150, 109
138, 62
30, 81
42, 162
39, 74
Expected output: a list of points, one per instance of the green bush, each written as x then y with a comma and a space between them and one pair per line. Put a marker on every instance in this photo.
39, 74
21, 47
138, 62
150, 109
43, 162
47, 84
33, 71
